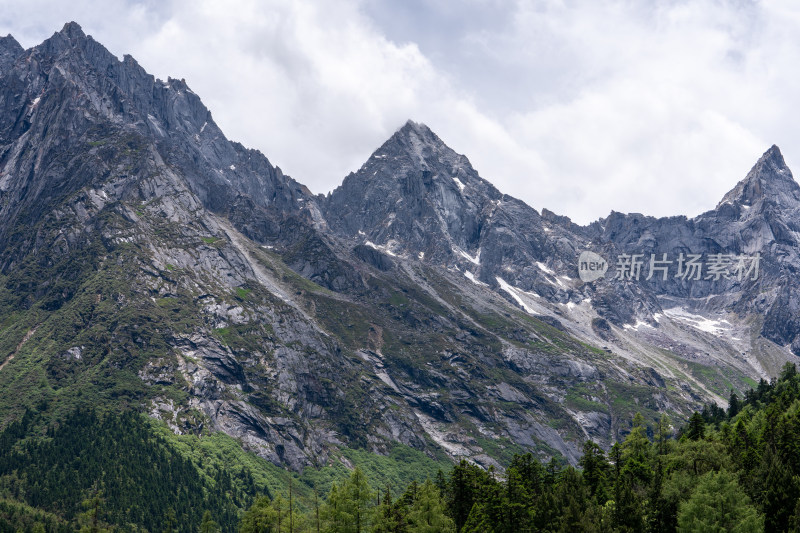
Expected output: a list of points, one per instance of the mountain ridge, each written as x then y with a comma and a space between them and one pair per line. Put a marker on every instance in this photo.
150, 262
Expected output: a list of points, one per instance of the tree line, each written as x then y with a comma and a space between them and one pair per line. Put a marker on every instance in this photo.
726, 470
734, 469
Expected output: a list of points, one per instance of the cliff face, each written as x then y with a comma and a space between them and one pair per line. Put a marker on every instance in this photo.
147, 261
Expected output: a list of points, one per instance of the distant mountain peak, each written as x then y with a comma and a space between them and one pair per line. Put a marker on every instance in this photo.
417, 141
769, 178
72, 38
9, 44
9, 50
774, 151
416, 127
73, 31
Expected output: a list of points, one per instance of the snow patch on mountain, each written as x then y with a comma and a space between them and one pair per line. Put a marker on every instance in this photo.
510, 289
716, 327
470, 276
639, 324
544, 268
382, 247
475, 260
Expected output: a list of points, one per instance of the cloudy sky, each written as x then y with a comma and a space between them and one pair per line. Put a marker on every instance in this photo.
580, 106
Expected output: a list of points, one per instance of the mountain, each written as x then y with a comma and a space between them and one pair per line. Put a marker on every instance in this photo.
416, 197
758, 216
456, 220
118, 193
421, 199
148, 263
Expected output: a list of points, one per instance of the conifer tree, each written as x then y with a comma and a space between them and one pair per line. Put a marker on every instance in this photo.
718, 503
733, 405
208, 525
696, 428
427, 514
260, 517
596, 469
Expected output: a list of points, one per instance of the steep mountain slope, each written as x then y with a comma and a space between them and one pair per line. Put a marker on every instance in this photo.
415, 196
147, 262
112, 255
760, 215
127, 281
455, 219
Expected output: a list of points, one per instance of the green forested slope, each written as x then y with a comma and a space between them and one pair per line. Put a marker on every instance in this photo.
724, 471
734, 470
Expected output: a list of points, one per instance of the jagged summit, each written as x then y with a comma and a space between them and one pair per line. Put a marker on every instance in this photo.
10, 44
417, 191
70, 37
10, 49
411, 125
73, 31
78, 89
415, 128
769, 180
417, 145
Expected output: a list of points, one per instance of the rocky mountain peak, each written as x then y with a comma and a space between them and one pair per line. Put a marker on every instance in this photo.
769, 180
413, 133
9, 45
73, 31
79, 92
9, 50
414, 195
415, 145
70, 37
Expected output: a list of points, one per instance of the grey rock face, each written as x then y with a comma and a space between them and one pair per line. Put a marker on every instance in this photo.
760, 215
10, 49
70, 74
417, 198
416, 191
419, 201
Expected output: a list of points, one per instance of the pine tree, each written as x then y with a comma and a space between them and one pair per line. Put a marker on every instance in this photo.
519, 499
350, 507
733, 405
779, 492
208, 525
427, 514
697, 427
719, 504
389, 516
261, 517
572, 498
636, 453
462, 492
478, 520
658, 515
359, 499
596, 469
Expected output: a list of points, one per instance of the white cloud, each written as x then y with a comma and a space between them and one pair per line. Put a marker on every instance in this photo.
581, 106
310, 84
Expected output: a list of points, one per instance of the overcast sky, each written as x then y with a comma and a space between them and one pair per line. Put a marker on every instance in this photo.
579, 106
